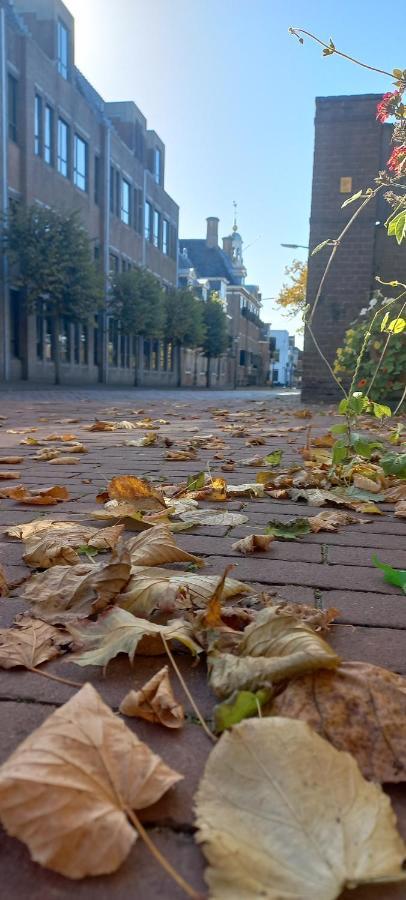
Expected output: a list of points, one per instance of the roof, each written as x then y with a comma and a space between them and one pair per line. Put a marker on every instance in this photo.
209, 262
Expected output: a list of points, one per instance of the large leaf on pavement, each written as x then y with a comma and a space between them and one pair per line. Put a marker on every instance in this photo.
358, 707
58, 546
288, 531
29, 643
155, 702
391, 575
154, 588
136, 491
157, 546
118, 631
283, 814
66, 790
64, 593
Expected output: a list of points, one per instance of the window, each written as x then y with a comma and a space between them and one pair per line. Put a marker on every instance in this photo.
148, 220
165, 237
81, 344
80, 163
155, 237
157, 165
37, 125
63, 147
112, 186
97, 180
125, 202
12, 108
118, 195
15, 324
64, 341
63, 50
48, 136
114, 263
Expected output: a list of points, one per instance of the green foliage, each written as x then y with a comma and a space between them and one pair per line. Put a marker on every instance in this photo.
274, 458
241, 705
51, 262
137, 303
288, 531
392, 576
215, 321
196, 482
397, 226
184, 318
394, 464
389, 382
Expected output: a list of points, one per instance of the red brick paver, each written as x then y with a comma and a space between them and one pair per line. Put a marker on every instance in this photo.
324, 570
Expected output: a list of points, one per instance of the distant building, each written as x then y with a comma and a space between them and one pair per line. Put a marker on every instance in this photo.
284, 358
351, 147
62, 145
203, 262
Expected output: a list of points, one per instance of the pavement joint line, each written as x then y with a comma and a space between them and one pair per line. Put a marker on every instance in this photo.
324, 554
318, 598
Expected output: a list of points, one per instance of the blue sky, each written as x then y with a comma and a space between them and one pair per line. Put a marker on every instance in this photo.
231, 93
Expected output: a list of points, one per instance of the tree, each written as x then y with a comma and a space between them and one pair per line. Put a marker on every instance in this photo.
136, 302
184, 324
216, 339
51, 263
292, 297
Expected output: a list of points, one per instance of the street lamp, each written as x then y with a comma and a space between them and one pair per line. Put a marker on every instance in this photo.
296, 246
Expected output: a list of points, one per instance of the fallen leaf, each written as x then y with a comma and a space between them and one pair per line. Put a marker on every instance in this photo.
157, 546
3, 583
63, 593
391, 575
46, 454
274, 458
253, 543
11, 460
29, 643
9, 476
366, 484
359, 708
100, 426
26, 529
118, 631
61, 437
245, 490
155, 702
153, 588
57, 546
138, 492
330, 520
67, 789
316, 497
146, 441
256, 441
64, 461
253, 461
45, 497
276, 646
400, 509
302, 414
209, 517
288, 531
396, 492
283, 814
181, 454
241, 705
324, 440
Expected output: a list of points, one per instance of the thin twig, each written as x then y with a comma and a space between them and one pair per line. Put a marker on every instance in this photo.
401, 401
357, 62
390, 335
187, 692
76, 684
187, 888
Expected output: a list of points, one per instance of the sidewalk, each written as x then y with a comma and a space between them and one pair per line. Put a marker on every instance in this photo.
323, 570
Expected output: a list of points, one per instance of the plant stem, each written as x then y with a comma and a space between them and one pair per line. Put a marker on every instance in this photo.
76, 684
187, 888
401, 401
390, 335
352, 59
187, 692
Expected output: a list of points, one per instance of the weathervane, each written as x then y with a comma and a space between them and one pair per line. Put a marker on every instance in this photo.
235, 227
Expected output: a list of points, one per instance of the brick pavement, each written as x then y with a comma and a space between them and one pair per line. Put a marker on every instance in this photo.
323, 570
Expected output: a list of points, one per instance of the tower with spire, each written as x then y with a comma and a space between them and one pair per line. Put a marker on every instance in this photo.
232, 247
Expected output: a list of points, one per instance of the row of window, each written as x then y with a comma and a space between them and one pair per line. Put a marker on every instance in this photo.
157, 230
44, 145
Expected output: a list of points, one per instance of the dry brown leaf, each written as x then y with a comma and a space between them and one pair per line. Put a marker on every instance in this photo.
331, 519
400, 509
64, 461
210, 517
396, 493
26, 529
366, 484
254, 461
251, 489
301, 414
66, 790
11, 460
58, 545
155, 702
29, 643
359, 708
181, 454
45, 497
154, 588
211, 618
62, 438
138, 492
65, 593
9, 476
253, 543
255, 441
276, 646
100, 426
324, 440
46, 454
118, 631
156, 547
3, 583
283, 814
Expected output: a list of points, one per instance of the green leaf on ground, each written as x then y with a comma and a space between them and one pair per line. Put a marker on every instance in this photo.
394, 464
288, 531
196, 482
358, 494
274, 458
241, 705
392, 576
365, 447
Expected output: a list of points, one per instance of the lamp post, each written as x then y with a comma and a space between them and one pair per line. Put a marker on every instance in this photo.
296, 246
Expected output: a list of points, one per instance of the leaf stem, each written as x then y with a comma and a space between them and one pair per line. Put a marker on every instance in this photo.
76, 684
357, 62
187, 692
187, 888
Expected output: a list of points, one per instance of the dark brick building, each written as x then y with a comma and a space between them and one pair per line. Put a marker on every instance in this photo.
61, 145
351, 147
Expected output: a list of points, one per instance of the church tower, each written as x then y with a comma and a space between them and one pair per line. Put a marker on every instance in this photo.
232, 247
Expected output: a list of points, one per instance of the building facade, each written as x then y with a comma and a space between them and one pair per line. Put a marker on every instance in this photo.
284, 358
61, 145
351, 147
209, 267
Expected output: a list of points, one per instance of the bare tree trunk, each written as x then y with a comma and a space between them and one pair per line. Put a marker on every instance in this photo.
179, 365
57, 350
208, 371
